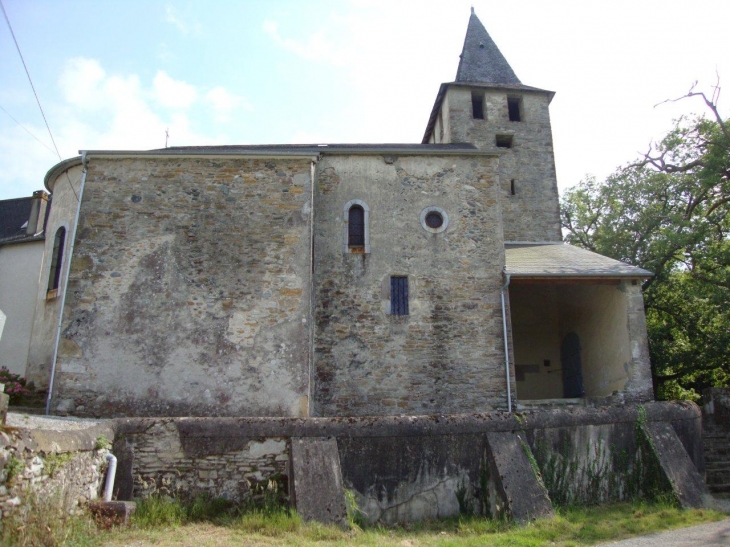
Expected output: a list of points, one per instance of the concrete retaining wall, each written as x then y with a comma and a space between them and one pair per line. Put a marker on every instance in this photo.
407, 468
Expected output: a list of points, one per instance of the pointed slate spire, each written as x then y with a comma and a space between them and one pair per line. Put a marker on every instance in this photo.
481, 61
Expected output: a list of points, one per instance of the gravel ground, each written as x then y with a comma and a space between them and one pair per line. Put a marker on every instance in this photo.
54, 423
714, 534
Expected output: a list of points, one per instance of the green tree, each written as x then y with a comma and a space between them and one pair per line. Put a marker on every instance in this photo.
668, 213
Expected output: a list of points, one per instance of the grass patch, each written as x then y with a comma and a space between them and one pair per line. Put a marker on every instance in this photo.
42, 522
164, 522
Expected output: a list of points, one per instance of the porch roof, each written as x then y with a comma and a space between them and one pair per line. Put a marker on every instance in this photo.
557, 259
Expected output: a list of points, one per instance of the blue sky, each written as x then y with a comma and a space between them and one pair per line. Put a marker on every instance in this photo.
118, 74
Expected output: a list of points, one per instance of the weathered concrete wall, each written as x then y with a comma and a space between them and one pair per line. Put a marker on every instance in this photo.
532, 214
446, 356
609, 320
20, 265
598, 315
535, 321
64, 467
603, 455
316, 480
189, 290
413, 478
411, 467
47, 307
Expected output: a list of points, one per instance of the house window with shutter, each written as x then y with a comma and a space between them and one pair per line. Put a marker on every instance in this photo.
399, 295
356, 237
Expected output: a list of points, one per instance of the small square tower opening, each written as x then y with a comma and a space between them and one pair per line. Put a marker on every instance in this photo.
503, 141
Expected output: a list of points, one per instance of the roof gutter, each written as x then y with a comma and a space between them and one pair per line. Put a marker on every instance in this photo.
54, 172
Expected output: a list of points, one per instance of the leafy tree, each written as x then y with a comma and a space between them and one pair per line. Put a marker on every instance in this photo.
668, 213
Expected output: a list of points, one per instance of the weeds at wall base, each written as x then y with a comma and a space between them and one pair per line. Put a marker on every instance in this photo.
605, 474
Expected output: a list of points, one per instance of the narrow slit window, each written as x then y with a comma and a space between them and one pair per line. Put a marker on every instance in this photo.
477, 105
514, 108
512, 187
356, 226
399, 295
504, 141
54, 278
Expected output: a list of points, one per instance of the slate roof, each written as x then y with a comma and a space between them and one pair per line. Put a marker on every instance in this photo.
14, 214
563, 260
481, 60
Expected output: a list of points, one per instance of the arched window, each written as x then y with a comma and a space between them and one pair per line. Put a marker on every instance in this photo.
356, 216
54, 278
356, 226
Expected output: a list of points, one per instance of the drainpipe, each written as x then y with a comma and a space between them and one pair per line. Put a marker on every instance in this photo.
506, 345
65, 282
110, 474
310, 372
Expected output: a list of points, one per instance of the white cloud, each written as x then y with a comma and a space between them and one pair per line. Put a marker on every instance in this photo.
317, 47
173, 93
105, 111
80, 82
224, 103
172, 16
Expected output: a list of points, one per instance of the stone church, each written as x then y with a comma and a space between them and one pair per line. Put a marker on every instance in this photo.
336, 280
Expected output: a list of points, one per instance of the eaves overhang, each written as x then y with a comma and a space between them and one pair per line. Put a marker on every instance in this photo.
556, 261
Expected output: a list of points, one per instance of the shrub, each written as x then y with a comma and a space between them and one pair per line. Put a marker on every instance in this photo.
15, 385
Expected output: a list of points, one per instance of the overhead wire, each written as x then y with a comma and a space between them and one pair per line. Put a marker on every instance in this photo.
27, 73
27, 130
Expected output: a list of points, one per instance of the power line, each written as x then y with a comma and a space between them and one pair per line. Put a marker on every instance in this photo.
27, 73
27, 130
29, 79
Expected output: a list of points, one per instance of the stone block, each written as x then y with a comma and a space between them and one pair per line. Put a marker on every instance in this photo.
317, 489
513, 478
112, 513
687, 483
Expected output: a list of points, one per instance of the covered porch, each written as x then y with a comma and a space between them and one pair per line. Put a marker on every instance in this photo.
577, 326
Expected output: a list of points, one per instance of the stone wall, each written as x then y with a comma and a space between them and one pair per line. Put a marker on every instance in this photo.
189, 289
446, 355
168, 457
60, 467
532, 213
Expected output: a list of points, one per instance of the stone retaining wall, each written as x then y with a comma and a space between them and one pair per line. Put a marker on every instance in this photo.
67, 466
162, 460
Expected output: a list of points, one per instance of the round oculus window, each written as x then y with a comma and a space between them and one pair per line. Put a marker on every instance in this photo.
434, 220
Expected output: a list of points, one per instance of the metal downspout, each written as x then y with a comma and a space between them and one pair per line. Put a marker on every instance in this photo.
506, 345
65, 283
310, 372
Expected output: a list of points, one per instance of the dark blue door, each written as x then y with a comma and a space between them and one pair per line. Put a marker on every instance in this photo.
572, 367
